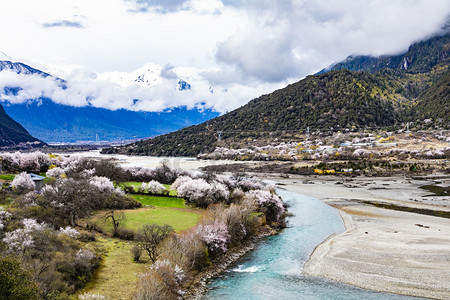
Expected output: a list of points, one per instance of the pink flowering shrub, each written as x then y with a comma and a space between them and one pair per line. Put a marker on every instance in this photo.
194, 191
82, 167
68, 200
91, 296
69, 231
30, 162
10, 162
21, 239
23, 183
104, 185
55, 172
247, 185
71, 162
152, 187
200, 192
4, 217
218, 193
29, 199
228, 181
214, 234
180, 181
87, 173
140, 174
270, 204
85, 254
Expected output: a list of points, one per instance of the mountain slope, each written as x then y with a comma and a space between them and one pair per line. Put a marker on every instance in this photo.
53, 122
21, 68
435, 102
337, 99
12, 133
421, 57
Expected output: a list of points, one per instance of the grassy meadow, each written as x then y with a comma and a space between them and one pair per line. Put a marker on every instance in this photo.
117, 275
137, 184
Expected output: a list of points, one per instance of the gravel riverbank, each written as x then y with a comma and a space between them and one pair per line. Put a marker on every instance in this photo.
383, 249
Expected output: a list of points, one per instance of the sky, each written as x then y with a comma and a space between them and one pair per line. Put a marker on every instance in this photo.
229, 51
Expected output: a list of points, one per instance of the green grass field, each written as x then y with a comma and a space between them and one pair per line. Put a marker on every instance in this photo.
118, 274
160, 201
135, 219
9, 177
136, 186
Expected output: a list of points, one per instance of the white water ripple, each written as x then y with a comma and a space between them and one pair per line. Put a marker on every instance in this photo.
253, 269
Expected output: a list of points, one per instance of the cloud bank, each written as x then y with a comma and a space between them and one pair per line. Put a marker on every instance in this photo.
229, 51
84, 88
290, 39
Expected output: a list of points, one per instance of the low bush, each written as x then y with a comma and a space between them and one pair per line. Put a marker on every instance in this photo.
86, 237
136, 252
162, 281
186, 250
15, 281
124, 233
94, 227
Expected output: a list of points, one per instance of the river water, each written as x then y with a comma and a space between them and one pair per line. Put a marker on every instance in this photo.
274, 269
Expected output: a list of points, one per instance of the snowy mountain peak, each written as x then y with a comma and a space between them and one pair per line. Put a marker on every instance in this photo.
149, 76
20, 68
183, 85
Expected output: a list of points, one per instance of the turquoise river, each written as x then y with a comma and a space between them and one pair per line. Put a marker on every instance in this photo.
274, 269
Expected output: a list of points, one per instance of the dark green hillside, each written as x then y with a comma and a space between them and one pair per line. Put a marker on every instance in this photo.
435, 102
12, 133
340, 98
421, 57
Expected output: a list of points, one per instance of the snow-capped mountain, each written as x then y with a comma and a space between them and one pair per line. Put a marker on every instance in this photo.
58, 122
20, 68
149, 76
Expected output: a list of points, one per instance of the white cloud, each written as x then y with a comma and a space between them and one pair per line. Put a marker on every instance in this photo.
290, 39
85, 87
239, 49
113, 37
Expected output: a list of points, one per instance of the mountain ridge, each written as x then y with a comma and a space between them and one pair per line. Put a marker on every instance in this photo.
54, 122
338, 99
417, 59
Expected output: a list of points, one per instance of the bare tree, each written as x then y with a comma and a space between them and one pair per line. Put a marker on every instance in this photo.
117, 218
151, 235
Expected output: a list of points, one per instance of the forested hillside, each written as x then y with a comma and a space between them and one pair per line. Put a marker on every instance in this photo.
12, 133
421, 57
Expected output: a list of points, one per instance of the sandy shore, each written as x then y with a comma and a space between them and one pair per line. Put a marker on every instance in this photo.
382, 249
